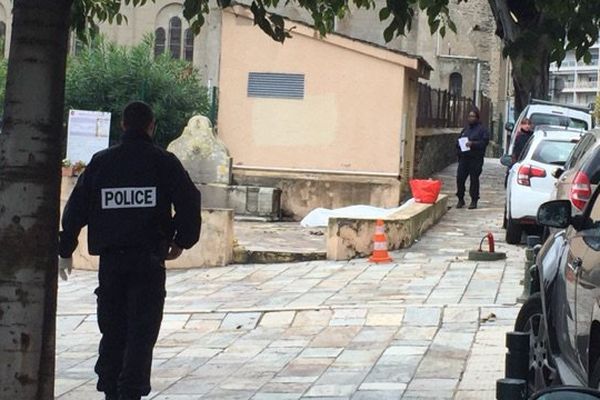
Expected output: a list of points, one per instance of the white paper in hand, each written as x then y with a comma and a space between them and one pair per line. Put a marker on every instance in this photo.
462, 142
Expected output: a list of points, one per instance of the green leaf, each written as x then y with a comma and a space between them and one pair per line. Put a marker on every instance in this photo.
384, 14
452, 25
388, 33
191, 8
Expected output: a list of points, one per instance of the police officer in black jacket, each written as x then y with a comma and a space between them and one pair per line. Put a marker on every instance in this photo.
470, 162
125, 197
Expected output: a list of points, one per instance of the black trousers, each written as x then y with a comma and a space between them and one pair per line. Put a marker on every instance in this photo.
131, 298
468, 167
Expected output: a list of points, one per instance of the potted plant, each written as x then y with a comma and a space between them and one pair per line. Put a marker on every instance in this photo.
67, 168
78, 168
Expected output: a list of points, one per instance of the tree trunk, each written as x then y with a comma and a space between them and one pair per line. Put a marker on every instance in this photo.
30, 154
530, 64
530, 76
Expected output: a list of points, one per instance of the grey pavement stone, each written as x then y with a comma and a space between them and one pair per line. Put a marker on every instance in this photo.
276, 396
278, 319
377, 395
397, 370
322, 352
333, 390
383, 387
421, 316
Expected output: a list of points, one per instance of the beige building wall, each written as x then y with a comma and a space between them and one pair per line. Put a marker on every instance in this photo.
351, 118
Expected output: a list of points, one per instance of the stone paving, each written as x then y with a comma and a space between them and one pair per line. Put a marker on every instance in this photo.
430, 325
279, 237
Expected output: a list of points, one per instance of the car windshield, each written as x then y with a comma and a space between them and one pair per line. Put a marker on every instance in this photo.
553, 152
558, 120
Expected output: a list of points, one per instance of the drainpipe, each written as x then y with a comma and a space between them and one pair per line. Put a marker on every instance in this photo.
478, 85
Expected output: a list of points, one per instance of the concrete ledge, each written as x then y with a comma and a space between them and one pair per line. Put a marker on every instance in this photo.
215, 248
302, 192
349, 238
243, 256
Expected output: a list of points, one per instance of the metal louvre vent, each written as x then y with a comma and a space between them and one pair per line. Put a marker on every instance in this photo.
276, 86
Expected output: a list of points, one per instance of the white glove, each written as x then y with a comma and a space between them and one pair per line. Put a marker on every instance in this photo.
65, 266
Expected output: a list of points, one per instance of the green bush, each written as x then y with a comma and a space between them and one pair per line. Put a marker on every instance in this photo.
105, 77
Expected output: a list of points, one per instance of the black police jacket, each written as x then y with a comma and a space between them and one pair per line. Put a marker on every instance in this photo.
126, 196
479, 136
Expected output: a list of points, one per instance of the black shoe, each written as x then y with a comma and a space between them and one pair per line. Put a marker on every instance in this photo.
460, 204
124, 397
473, 205
111, 396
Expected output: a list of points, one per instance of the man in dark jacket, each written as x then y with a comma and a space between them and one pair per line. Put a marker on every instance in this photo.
125, 197
470, 159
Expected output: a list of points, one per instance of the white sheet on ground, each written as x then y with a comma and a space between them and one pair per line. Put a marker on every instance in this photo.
319, 217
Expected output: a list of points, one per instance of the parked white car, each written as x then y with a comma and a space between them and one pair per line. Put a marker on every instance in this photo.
531, 181
550, 114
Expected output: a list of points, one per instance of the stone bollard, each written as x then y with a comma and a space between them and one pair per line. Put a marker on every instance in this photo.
511, 389
514, 386
517, 356
532, 242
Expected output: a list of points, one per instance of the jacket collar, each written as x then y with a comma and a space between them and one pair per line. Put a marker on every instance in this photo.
135, 136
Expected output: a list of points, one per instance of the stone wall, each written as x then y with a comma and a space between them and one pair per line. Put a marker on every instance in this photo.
349, 238
434, 150
303, 192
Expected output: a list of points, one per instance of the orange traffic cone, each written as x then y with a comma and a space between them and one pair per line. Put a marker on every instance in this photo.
380, 253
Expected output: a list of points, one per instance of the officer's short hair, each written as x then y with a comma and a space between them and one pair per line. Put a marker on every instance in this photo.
137, 115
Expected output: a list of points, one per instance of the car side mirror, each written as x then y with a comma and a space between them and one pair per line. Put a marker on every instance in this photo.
509, 126
555, 214
558, 173
506, 160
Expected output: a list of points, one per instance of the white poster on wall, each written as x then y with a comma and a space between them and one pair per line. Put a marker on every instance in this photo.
88, 133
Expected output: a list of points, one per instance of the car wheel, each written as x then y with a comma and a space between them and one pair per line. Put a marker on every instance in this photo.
542, 372
513, 231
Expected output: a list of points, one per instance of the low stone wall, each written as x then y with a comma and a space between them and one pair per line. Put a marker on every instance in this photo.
349, 238
302, 192
214, 249
435, 149
249, 201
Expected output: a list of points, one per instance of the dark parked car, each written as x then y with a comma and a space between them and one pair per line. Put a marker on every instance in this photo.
563, 317
581, 173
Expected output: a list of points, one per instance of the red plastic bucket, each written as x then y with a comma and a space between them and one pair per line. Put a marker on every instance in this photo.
425, 190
